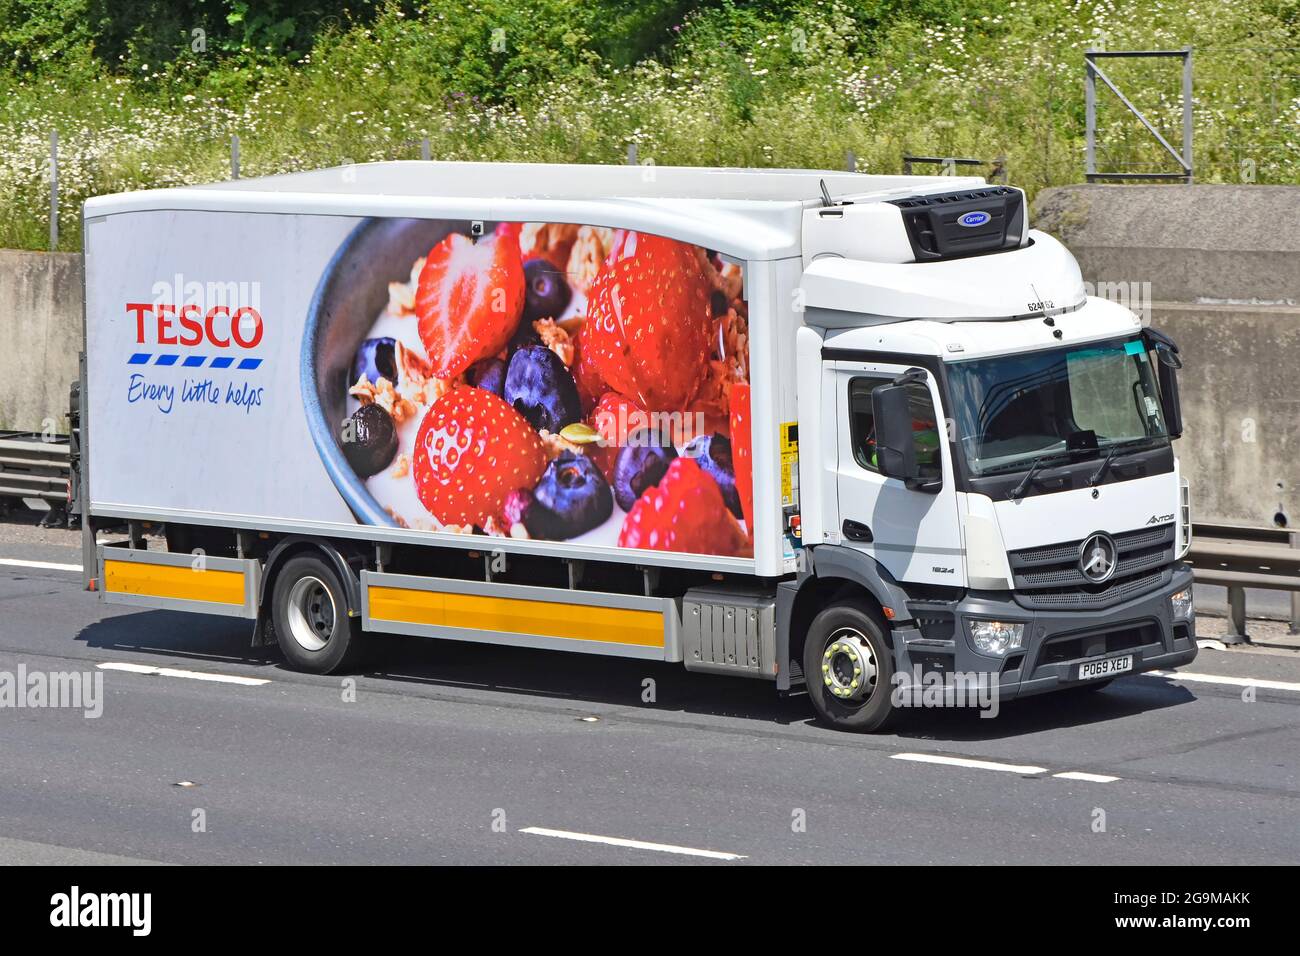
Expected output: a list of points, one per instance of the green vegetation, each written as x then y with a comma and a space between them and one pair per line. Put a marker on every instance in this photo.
140, 99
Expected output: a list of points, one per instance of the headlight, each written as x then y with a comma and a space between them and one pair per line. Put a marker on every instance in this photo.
996, 638
1182, 605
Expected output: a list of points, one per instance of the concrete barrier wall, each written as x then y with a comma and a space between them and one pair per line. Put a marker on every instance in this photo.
1241, 446
1201, 247
41, 324
1192, 243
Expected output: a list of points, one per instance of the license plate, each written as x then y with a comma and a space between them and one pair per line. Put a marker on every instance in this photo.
1106, 667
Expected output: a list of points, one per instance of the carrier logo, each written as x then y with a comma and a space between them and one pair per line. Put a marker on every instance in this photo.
1098, 557
973, 219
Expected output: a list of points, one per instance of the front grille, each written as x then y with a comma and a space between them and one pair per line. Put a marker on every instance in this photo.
1049, 576
1112, 592
1064, 649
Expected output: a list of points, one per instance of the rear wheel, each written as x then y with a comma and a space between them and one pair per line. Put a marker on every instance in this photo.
309, 607
849, 668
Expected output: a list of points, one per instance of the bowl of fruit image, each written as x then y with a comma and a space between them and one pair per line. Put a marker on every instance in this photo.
546, 381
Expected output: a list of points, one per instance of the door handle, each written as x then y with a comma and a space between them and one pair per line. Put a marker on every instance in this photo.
856, 531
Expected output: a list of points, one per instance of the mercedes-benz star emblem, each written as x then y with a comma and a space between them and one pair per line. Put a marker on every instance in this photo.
1097, 557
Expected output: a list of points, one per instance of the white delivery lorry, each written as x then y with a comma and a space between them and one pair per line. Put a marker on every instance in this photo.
840, 432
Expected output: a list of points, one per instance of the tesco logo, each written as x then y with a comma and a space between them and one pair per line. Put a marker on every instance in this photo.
162, 323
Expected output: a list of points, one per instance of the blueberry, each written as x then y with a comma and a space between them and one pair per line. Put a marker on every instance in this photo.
489, 374
541, 389
571, 498
375, 358
639, 465
713, 455
546, 293
369, 440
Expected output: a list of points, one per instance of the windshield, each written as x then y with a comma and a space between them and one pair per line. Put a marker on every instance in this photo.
1055, 405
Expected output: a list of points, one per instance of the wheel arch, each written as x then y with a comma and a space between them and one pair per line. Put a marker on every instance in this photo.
837, 575
346, 561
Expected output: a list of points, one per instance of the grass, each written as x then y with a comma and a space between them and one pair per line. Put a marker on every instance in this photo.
769, 84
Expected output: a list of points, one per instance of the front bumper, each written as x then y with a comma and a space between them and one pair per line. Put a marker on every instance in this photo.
1055, 643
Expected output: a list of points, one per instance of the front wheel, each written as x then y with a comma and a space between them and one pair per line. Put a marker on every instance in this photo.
849, 669
310, 612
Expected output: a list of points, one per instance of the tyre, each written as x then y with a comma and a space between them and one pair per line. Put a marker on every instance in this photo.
309, 608
848, 668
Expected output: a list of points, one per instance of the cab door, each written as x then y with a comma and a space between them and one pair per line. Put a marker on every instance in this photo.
915, 534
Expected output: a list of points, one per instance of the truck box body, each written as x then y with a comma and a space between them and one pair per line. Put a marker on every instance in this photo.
201, 424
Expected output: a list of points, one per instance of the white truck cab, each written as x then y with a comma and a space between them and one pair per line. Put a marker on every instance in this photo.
991, 444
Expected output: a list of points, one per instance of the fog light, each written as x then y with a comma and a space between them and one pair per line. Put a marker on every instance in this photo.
1182, 605
996, 638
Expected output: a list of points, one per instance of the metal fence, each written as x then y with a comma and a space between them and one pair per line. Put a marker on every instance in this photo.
1240, 557
34, 466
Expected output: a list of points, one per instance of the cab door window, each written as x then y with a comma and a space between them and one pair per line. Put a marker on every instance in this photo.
925, 425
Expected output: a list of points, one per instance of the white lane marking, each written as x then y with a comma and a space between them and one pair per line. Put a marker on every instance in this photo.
39, 565
1234, 681
1088, 777
966, 762
631, 844
191, 675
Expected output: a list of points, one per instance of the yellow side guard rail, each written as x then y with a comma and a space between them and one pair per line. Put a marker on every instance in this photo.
493, 612
179, 582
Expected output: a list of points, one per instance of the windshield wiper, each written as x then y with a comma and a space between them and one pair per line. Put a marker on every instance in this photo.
1021, 488
1137, 444
1100, 473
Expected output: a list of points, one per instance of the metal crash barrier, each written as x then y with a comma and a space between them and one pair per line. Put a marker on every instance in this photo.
1238, 558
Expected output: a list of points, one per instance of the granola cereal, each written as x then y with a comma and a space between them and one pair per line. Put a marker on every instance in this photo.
590, 248
401, 299
729, 279
555, 445
552, 241
383, 394
556, 339
734, 331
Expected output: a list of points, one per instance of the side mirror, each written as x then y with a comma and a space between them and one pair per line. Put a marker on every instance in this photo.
891, 407
1168, 362
1170, 403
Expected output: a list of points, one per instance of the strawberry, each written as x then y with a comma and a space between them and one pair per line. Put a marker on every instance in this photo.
742, 451
614, 418
623, 246
469, 298
585, 374
685, 512
471, 452
648, 323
